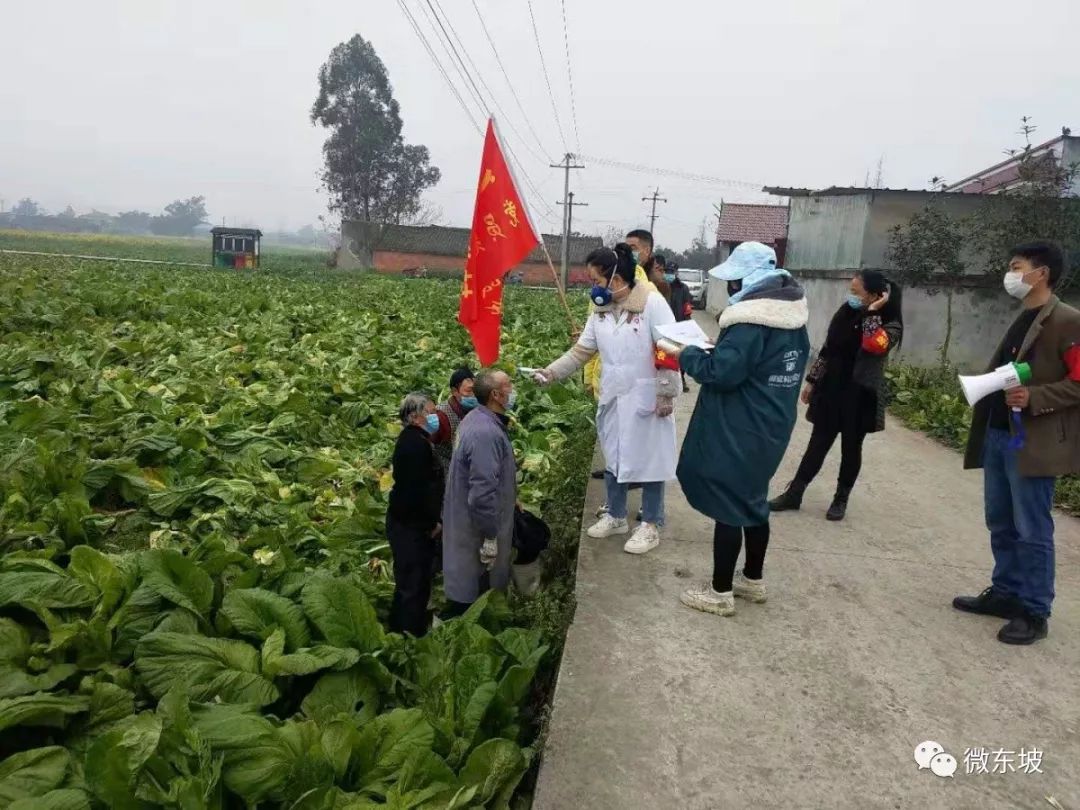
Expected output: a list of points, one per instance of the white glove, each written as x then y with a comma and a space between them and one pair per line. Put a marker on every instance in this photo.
540, 377
488, 552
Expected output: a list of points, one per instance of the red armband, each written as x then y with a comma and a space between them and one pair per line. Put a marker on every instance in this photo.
1072, 362
876, 342
662, 359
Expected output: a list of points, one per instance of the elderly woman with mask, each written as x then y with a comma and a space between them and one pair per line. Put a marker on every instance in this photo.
638, 385
743, 419
413, 519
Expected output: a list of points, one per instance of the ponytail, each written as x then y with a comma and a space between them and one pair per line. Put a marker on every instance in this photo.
615, 261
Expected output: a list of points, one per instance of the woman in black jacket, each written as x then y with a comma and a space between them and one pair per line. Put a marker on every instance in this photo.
845, 386
413, 519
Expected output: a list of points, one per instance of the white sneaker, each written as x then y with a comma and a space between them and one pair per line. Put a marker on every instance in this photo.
752, 590
702, 597
644, 539
607, 526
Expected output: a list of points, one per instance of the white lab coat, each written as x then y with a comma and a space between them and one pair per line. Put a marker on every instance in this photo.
638, 445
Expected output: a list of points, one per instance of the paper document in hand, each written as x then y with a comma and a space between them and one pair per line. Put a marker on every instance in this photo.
688, 333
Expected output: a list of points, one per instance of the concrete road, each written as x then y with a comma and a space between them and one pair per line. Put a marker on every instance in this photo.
818, 698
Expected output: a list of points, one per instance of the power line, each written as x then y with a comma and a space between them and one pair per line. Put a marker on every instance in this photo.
549, 213
491, 95
455, 60
438, 64
570, 76
698, 178
513, 91
547, 78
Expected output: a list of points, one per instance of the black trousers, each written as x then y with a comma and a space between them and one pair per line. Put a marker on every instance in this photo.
844, 416
727, 543
414, 552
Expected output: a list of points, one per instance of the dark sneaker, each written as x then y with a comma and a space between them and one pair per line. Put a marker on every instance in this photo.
1024, 630
790, 500
598, 474
838, 507
988, 603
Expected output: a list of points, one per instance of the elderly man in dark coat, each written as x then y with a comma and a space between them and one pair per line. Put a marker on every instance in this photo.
481, 491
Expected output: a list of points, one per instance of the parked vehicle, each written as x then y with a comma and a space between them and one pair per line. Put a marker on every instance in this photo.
695, 280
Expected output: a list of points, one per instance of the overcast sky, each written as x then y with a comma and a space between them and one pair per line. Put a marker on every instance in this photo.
124, 104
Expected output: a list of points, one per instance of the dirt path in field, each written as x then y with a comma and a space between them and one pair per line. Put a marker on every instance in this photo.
818, 698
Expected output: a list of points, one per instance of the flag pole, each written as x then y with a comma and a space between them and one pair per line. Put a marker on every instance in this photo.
558, 286
540, 234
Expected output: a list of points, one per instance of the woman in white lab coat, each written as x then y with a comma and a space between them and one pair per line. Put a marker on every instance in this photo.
638, 386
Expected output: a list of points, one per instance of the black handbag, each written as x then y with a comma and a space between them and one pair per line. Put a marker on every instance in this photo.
531, 536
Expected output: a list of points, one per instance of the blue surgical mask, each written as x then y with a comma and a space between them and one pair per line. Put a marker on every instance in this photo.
669, 277
511, 402
468, 403
854, 301
637, 257
601, 296
432, 423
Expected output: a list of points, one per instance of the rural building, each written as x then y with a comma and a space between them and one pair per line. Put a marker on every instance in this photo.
833, 232
1063, 151
739, 222
437, 249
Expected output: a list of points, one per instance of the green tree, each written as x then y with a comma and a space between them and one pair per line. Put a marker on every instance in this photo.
1040, 206
927, 253
370, 172
180, 217
26, 207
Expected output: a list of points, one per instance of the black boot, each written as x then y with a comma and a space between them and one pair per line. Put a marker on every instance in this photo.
791, 499
838, 508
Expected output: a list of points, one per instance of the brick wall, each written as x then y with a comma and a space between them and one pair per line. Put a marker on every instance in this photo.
535, 274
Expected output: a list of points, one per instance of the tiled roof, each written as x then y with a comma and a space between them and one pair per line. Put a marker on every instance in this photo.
752, 223
437, 240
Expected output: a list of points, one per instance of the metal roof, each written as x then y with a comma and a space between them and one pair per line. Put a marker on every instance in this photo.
437, 240
741, 222
236, 231
846, 191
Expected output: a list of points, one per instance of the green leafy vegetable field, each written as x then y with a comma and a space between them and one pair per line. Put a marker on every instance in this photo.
194, 576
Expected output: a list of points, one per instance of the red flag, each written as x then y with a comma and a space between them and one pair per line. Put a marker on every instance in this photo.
501, 238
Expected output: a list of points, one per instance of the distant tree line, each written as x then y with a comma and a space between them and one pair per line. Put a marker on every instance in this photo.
180, 218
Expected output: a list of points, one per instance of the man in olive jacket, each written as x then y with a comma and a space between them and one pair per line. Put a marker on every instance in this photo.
1023, 439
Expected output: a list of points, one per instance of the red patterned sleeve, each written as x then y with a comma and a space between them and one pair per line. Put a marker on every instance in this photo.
662, 359
875, 339
1072, 362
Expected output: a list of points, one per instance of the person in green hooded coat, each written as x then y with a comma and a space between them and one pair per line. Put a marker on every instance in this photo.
743, 419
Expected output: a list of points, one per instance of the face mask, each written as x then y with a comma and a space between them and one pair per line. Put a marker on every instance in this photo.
854, 301
601, 296
1016, 286
468, 403
511, 401
637, 257
669, 277
432, 423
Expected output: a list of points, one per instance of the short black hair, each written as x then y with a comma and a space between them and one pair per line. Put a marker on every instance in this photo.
487, 382
661, 260
1043, 253
460, 376
642, 234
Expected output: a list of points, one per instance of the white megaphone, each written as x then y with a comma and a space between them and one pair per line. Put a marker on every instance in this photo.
1011, 375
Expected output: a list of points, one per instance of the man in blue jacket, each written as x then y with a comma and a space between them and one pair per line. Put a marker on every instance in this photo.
743, 419
481, 491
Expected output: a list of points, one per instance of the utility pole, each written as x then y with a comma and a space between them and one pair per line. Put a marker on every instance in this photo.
570, 205
566, 165
652, 218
